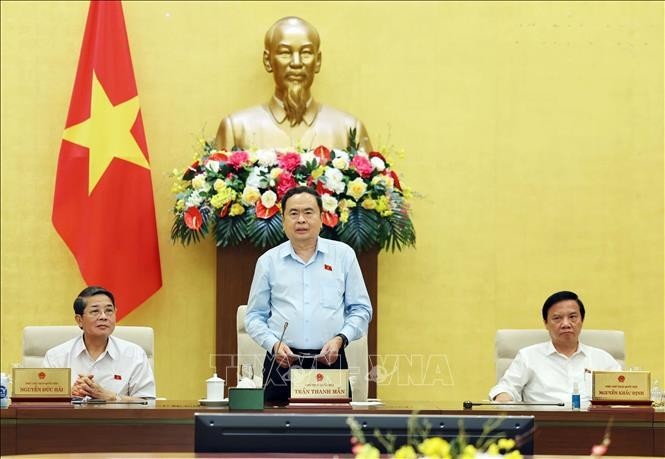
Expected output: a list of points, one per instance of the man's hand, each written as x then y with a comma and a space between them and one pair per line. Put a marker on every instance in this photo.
503, 397
86, 386
330, 351
284, 356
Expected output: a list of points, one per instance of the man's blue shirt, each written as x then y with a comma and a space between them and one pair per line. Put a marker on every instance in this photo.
319, 299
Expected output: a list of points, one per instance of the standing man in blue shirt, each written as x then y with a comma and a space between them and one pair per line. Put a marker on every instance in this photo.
316, 286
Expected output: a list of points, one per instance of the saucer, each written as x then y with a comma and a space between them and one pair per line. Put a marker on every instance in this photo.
206, 402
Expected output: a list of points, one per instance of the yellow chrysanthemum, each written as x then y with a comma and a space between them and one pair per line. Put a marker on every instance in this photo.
435, 447
493, 450
469, 452
236, 209
369, 204
180, 205
406, 452
222, 198
513, 455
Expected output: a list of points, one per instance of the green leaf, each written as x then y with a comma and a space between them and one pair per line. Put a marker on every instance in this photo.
361, 230
231, 230
265, 232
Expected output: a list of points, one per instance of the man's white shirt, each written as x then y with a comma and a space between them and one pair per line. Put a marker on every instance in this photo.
122, 368
540, 374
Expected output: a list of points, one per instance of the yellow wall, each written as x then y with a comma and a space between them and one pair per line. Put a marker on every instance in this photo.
533, 131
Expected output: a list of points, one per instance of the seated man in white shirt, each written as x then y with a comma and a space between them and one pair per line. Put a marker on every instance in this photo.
103, 367
547, 372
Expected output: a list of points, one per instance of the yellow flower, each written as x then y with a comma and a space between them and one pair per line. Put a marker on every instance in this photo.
350, 204
493, 450
344, 215
406, 192
369, 204
178, 186
250, 195
276, 172
180, 204
236, 209
356, 188
223, 197
435, 447
368, 452
219, 185
513, 455
506, 444
406, 452
469, 452
318, 172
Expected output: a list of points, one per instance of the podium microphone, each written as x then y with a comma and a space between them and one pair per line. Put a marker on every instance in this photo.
274, 359
468, 404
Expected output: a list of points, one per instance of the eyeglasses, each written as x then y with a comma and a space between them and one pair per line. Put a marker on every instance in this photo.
307, 214
108, 312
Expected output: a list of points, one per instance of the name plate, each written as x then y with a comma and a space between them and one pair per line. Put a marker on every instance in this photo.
315, 384
42, 383
621, 386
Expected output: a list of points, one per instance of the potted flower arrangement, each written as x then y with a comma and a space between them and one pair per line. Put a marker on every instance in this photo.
420, 444
237, 196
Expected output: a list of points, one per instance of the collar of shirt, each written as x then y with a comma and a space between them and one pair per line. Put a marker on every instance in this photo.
552, 350
111, 347
276, 107
287, 250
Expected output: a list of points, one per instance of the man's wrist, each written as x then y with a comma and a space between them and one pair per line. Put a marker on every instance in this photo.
345, 340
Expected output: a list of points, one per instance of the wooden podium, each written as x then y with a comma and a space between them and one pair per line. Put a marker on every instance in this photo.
235, 269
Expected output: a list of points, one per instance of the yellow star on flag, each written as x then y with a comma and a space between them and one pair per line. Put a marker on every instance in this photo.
107, 133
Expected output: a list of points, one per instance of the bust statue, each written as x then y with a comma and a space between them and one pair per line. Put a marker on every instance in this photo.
292, 116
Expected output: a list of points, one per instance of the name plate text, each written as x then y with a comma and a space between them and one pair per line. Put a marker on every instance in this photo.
621, 385
41, 382
319, 384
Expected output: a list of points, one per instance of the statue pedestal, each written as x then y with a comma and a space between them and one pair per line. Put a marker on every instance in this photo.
235, 270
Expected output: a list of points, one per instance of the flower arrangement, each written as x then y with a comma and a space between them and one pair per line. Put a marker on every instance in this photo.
420, 445
237, 195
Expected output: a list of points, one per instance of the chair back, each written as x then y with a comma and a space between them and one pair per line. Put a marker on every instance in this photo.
508, 342
356, 355
39, 339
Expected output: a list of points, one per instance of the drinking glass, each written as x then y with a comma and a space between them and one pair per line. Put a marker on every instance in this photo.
247, 371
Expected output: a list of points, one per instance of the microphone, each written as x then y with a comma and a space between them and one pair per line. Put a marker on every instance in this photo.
272, 365
468, 404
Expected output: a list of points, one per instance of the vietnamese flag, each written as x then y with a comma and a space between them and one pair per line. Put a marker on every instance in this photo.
103, 206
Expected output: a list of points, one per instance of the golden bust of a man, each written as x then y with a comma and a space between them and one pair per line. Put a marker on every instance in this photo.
292, 116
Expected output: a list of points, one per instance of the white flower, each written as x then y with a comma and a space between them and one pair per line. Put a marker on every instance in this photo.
199, 181
268, 199
334, 180
194, 200
378, 164
341, 154
340, 163
213, 166
308, 157
255, 178
266, 157
329, 203
250, 195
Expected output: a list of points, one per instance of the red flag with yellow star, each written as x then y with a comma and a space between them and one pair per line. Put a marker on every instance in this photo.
103, 206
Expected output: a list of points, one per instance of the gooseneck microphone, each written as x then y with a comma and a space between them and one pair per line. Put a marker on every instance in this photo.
468, 404
274, 356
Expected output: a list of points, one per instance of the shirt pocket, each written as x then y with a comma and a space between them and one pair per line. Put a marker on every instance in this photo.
332, 293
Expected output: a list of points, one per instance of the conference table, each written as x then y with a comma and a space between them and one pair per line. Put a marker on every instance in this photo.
168, 426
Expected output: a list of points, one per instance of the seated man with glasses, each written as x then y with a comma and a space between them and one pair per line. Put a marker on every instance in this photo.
313, 284
103, 367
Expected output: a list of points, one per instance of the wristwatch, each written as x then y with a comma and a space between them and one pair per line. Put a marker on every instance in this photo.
345, 340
